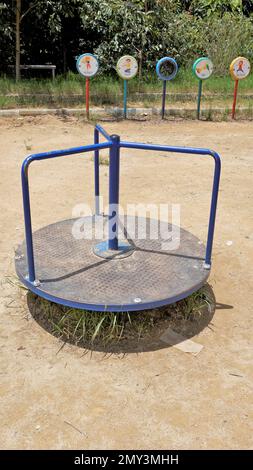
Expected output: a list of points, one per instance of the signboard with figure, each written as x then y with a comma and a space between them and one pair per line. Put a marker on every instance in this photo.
127, 67
203, 68
239, 68
87, 65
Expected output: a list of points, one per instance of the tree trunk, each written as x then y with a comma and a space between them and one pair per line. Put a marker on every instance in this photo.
18, 13
64, 53
140, 64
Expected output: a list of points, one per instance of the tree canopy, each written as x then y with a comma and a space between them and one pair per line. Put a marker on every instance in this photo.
56, 31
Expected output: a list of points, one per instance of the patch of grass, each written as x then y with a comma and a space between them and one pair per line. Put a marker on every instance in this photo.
28, 144
15, 282
104, 160
108, 90
83, 327
209, 115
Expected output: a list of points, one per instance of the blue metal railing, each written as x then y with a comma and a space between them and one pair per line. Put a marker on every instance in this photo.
26, 195
216, 181
103, 132
114, 144
98, 130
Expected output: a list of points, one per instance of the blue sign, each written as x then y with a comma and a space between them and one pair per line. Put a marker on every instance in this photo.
173, 66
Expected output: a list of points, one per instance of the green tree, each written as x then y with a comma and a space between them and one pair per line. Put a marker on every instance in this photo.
215, 7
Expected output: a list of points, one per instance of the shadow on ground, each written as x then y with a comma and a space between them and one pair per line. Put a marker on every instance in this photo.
168, 317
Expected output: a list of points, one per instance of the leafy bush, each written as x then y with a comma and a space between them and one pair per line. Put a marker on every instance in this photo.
57, 30
227, 38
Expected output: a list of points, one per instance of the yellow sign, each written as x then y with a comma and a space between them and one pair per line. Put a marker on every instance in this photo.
127, 67
239, 68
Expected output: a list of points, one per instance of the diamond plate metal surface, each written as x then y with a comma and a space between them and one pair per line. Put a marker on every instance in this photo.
70, 273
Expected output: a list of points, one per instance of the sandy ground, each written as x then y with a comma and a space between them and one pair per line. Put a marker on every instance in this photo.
64, 399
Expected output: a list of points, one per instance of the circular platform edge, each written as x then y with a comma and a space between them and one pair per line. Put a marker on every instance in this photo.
112, 308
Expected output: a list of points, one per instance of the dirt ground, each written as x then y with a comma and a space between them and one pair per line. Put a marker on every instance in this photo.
62, 398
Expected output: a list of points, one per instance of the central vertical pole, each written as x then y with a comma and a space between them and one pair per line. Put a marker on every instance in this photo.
87, 97
96, 172
114, 193
125, 99
199, 99
163, 98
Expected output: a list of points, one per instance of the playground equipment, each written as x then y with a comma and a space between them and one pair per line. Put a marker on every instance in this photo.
119, 273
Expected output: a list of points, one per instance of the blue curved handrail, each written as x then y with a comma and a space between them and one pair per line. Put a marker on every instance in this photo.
216, 181
26, 196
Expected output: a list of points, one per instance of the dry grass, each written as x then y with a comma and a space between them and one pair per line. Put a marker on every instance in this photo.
88, 328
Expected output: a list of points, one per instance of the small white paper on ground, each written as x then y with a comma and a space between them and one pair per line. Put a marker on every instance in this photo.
180, 342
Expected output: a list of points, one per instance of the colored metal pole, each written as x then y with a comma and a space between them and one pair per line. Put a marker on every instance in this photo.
164, 98
114, 192
87, 97
96, 171
235, 97
28, 223
125, 99
212, 217
103, 132
199, 98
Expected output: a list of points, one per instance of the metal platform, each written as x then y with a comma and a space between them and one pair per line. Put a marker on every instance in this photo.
70, 272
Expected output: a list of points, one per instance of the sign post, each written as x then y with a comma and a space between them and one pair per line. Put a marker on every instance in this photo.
239, 69
127, 67
87, 66
125, 99
203, 69
166, 69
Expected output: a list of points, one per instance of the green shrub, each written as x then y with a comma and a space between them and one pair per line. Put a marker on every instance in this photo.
227, 38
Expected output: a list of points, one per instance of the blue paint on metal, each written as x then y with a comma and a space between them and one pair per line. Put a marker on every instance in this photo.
96, 172
125, 99
28, 222
65, 152
216, 180
214, 200
103, 132
114, 192
26, 196
113, 308
102, 249
171, 61
98, 129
